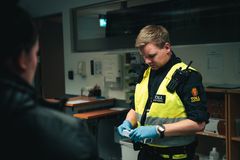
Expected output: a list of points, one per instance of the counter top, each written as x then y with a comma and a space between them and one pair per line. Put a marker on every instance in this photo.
84, 103
100, 113
84, 100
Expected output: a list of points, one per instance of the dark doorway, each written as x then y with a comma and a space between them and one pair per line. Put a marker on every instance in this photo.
50, 81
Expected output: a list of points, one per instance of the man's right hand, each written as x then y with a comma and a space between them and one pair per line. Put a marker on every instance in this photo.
125, 125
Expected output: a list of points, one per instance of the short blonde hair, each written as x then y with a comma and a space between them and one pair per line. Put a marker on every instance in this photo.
156, 34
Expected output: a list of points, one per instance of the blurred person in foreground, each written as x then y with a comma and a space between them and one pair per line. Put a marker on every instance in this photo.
30, 129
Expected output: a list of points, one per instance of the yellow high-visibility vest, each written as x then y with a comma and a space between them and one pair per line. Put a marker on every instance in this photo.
166, 108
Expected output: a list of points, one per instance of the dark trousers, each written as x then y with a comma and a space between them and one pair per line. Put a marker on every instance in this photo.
154, 153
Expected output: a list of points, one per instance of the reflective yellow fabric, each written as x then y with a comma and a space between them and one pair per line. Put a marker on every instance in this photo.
171, 111
172, 108
179, 156
176, 156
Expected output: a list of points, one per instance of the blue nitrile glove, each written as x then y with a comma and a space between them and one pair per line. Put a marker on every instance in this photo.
125, 125
143, 132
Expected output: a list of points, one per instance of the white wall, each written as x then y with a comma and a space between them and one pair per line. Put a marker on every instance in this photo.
74, 86
218, 63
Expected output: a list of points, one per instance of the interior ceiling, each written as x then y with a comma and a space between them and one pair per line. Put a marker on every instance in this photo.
27, 2
30, 4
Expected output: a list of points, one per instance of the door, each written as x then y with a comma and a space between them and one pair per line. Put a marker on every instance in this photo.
51, 65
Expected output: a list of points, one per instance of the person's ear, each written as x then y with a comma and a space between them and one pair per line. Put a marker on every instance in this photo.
23, 61
167, 48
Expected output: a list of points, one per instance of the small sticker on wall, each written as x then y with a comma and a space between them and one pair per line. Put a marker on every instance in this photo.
98, 67
215, 63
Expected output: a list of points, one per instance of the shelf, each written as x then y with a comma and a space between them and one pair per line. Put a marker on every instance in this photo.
236, 139
210, 134
215, 90
225, 103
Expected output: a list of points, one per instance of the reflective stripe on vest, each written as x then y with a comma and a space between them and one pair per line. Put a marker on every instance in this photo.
172, 110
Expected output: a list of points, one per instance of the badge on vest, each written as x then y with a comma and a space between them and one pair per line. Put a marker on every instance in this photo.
159, 98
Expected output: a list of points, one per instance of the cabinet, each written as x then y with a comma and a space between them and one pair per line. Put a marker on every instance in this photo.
222, 131
234, 124
132, 69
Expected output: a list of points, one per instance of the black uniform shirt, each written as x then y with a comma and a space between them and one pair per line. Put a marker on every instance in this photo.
191, 92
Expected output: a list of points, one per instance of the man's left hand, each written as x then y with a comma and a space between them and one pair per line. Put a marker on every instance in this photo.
143, 132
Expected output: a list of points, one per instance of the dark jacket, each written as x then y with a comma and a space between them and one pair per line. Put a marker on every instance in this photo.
30, 130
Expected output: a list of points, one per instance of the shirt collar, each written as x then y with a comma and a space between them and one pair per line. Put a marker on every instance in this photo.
172, 61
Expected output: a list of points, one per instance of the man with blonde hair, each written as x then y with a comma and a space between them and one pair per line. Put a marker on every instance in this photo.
165, 114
